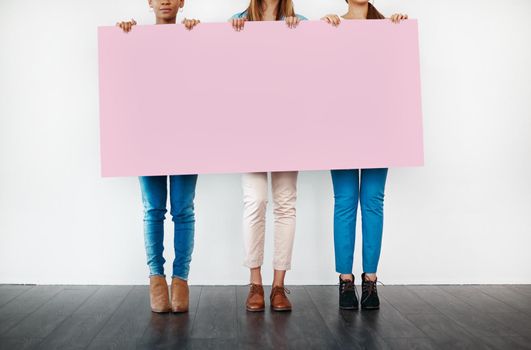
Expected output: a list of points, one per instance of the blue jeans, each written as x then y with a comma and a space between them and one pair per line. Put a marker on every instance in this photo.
154, 197
370, 193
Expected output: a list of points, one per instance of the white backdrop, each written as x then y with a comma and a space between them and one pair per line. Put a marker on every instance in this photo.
463, 218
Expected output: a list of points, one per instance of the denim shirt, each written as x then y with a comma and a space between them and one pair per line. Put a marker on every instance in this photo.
244, 14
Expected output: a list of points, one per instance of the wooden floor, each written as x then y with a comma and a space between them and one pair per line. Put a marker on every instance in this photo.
411, 317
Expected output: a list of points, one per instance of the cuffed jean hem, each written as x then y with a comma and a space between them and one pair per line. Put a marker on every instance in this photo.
180, 277
157, 274
282, 267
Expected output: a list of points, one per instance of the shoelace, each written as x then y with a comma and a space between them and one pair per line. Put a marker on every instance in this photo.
370, 287
347, 286
280, 290
255, 288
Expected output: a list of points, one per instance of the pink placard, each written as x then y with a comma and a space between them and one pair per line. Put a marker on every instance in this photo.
269, 98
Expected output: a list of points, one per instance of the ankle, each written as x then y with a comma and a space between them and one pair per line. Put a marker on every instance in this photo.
370, 277
346, 277
256, 276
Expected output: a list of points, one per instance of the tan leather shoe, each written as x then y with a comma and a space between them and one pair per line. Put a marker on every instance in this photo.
279, 300
255, 299
180, 295
158, 294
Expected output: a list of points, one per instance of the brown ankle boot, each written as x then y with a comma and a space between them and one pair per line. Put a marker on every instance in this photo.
255, 299
180, 295
158, 294
279, 300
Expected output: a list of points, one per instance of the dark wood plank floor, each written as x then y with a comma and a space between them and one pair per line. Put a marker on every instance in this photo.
411, 317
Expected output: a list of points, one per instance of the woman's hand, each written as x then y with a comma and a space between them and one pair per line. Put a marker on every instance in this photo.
397, 17
190, 23
126, 26
332, 19
238, 23
292, 21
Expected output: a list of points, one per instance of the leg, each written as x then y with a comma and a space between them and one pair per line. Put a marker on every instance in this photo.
254, 187
154, 194
372, 202
346, 194
285, 197
284, 186
182, 194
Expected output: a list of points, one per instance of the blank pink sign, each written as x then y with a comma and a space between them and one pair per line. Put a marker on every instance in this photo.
269, 98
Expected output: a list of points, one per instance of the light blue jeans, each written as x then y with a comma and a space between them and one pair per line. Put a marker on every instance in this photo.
154, 197
348, 190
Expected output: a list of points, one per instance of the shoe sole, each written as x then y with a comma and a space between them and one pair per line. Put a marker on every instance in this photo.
354, 308
161, 311
281, 309
179, 311
370, 308
255, 310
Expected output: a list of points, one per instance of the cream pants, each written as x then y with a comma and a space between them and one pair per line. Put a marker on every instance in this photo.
255, 193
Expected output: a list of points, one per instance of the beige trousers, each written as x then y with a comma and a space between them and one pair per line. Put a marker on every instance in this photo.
255, 190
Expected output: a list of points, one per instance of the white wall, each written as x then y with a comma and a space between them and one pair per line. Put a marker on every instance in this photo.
463, 218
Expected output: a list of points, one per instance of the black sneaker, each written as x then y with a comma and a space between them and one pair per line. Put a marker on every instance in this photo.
348, 300
369, 295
